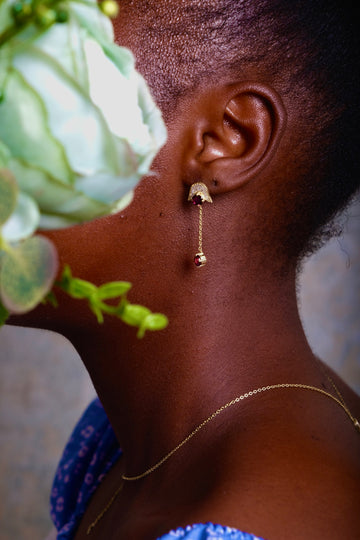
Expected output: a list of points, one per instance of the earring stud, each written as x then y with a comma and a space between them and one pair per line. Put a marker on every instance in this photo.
199, 194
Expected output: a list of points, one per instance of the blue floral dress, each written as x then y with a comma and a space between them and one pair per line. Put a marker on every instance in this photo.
90, 453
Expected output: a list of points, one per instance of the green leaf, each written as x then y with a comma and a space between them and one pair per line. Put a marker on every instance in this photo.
96, 309
72, 117
5, 16
4, 314
56, 200
79, 288
25, 129
64, 42
4, 153
153, 321
108, 188
24, 220
8, 195
27, 274
51, 299
75, 287
134, 314
93, 20
114, 289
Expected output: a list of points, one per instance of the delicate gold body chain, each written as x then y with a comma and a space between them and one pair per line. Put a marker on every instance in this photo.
339, 400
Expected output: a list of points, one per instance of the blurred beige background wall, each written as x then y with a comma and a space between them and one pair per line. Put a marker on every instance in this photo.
329, 300
44, 388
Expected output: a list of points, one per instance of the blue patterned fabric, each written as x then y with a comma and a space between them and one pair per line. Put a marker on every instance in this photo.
208, 531
90, 453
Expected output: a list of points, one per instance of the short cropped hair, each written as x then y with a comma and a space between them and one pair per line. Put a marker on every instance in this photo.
309, 51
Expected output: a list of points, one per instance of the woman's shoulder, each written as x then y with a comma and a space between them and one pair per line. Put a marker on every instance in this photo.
89, 454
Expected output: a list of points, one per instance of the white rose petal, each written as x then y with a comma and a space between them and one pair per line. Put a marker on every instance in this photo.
23, 222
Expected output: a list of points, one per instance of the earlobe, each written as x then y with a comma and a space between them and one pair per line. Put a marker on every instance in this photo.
240, 136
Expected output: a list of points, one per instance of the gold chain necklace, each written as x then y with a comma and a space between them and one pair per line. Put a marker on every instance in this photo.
339, 400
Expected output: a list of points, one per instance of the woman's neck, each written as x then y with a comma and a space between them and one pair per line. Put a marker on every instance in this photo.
156, 390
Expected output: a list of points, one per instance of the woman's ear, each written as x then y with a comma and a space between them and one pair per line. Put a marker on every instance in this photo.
234, 135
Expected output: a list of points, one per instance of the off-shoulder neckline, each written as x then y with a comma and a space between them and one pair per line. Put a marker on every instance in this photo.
215, 531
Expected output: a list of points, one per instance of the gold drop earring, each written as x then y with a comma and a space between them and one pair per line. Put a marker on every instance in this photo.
198, 194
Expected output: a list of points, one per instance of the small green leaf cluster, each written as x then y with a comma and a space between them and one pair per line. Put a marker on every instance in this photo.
45, 13
42, 13
97, 297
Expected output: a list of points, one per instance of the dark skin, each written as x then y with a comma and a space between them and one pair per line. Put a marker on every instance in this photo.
281, 465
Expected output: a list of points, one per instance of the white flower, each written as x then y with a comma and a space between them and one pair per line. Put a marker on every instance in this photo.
78, 130
78, 121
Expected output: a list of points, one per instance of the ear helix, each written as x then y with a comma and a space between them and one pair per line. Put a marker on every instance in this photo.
199, 194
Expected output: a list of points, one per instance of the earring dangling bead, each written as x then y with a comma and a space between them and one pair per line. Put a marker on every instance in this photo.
199, 259
199, 194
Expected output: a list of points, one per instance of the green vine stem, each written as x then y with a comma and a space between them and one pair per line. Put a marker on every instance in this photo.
97, 297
